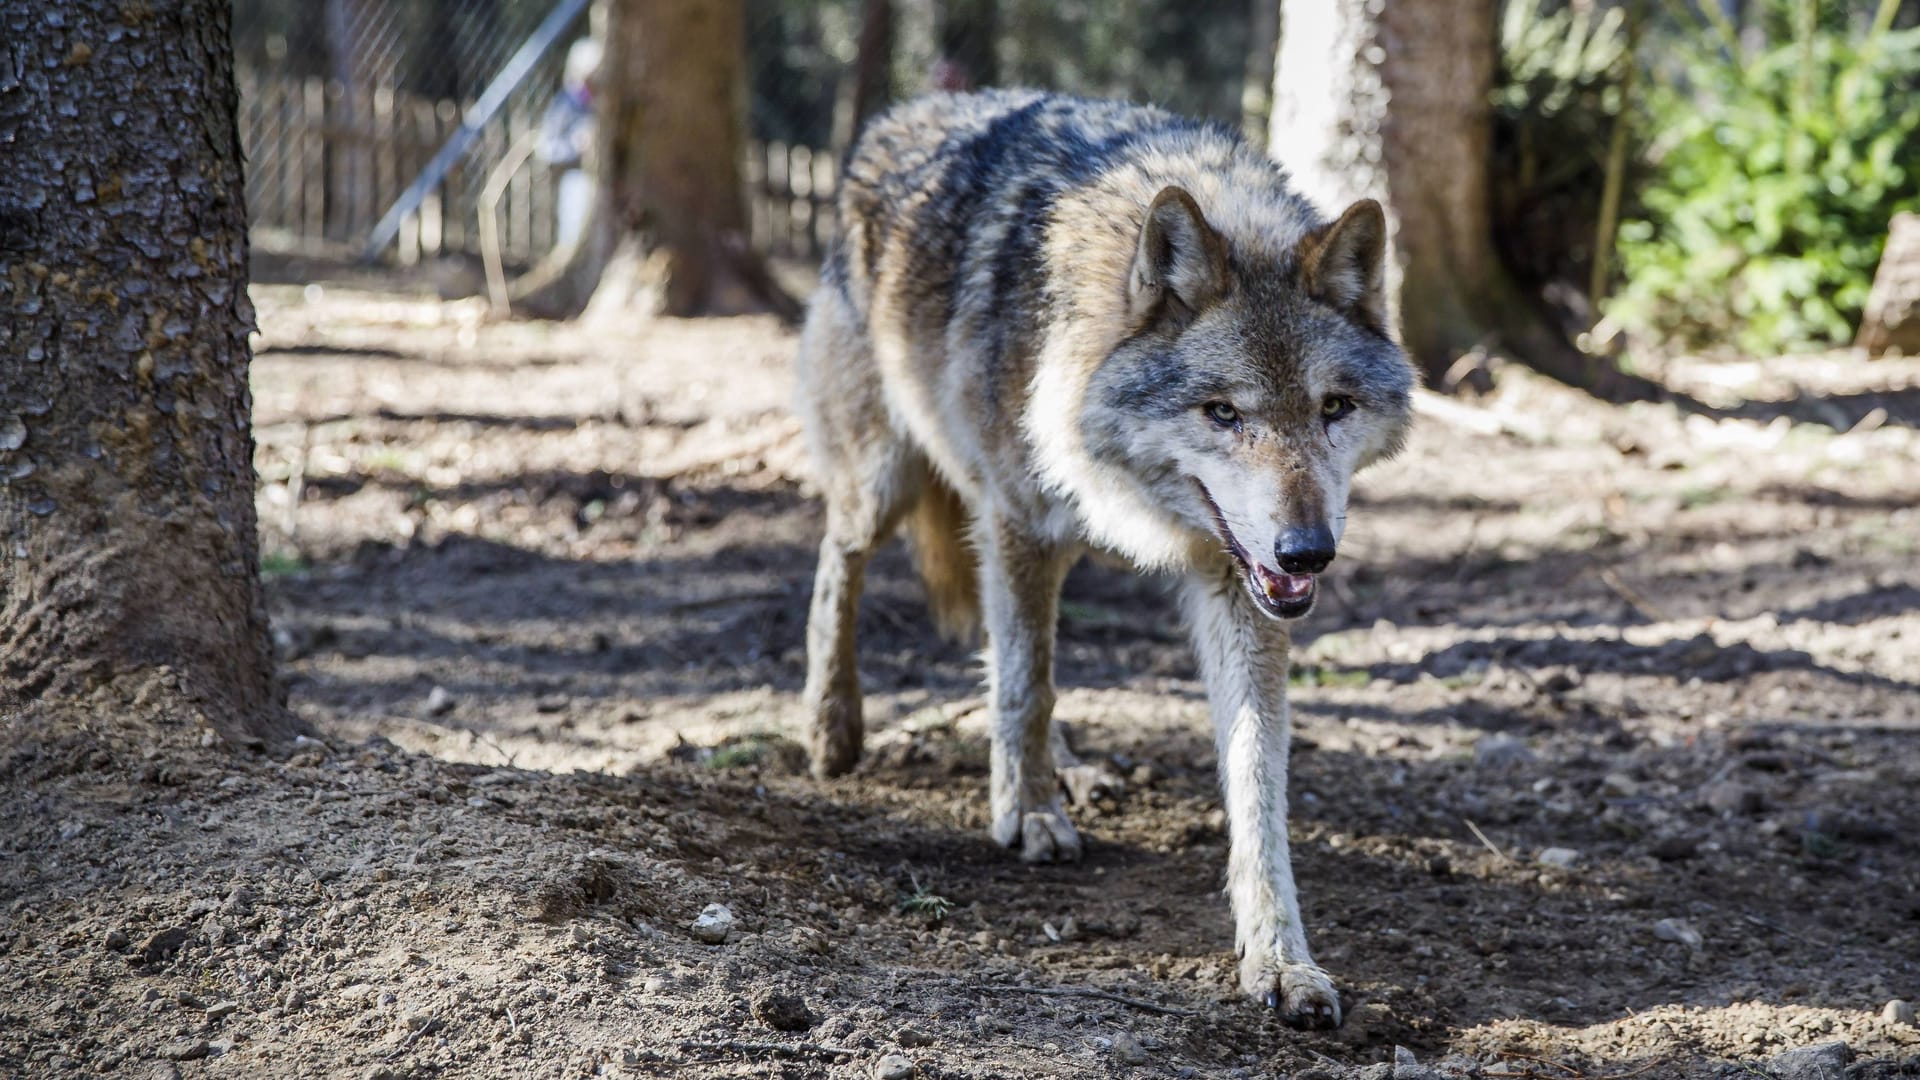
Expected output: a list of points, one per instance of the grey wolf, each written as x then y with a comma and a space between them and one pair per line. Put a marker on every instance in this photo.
1049, 326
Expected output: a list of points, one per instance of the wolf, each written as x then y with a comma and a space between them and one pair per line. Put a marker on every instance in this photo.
1048, 326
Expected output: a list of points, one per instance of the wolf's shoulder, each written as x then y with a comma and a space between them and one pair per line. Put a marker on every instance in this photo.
1026, 130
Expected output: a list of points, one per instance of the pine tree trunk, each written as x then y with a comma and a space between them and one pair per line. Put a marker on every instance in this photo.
1256, 87
1391, 101
128, 554
672, 133
863, 89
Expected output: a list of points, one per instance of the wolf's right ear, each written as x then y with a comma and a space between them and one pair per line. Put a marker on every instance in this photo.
1180, 259
1344, 263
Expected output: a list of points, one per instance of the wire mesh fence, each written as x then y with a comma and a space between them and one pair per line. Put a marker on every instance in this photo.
343, 103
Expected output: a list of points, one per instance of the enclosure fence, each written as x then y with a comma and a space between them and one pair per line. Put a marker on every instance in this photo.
343, 103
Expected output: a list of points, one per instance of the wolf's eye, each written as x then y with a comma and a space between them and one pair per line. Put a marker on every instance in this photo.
1223, 414
1335, 406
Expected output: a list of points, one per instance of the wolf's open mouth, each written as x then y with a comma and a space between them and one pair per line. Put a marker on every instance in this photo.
1281, 595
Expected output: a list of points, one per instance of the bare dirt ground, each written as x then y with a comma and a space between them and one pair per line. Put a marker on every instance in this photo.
1608, 745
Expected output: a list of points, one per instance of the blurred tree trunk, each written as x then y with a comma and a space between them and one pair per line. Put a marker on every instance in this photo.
864, 88
346, 159
128, 554
1256, 87
968, 33
1391, 101
672, 132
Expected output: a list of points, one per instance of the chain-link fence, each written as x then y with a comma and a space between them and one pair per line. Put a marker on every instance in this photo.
345, 103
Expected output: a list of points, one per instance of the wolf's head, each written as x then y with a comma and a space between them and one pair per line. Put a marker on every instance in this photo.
1252, 388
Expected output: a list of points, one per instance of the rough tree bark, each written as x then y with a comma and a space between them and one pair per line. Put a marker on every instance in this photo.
128, 554
672, 130
1391, 101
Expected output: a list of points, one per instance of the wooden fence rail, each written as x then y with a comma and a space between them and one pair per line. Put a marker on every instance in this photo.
325, 160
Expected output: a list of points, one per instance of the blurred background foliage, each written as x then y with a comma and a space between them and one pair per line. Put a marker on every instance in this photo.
1757, 148
1775, 161
1186, 55
1691, 172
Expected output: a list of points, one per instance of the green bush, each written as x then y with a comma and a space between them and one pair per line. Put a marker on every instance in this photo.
1773, 178
1557, 96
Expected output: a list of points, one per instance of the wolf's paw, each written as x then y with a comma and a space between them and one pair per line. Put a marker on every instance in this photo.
834, 737
1092, 784
1043, 835
1302, 994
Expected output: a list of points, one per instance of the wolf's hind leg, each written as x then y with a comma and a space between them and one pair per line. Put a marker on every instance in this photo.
869, 476
832, 695
1020, 578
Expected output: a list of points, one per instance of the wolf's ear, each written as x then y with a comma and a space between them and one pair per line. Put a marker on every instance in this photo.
1180, 259
1344, 263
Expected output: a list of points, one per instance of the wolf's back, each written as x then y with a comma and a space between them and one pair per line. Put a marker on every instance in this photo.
954, 191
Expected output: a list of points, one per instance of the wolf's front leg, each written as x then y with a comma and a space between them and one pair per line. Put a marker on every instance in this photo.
1020, 578
1243, 656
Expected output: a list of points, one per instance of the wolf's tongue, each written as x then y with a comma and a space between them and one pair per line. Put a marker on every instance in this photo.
1279, 586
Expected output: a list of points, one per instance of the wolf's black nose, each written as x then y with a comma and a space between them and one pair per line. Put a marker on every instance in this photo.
1304, 551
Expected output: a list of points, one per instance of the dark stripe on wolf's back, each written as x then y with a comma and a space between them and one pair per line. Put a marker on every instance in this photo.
955, 176
1071, 160
972, 174
1008, 177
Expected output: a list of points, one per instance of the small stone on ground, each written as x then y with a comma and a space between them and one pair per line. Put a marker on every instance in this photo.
713, 925
782, 1011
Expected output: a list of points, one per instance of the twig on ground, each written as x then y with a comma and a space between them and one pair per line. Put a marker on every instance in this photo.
488, 739
1477, 421
1648, 1067
1769, 924
1530, 1073
1640, 604
1542, 1061
785, 1049
754, 446
894, 619
432, 1024
1102, 995
297, 485
1482, 837
726, 599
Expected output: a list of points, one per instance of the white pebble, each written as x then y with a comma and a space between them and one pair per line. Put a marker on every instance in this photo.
713, 925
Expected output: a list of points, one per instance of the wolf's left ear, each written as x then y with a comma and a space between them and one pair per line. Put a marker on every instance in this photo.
1343, 264
1180, 258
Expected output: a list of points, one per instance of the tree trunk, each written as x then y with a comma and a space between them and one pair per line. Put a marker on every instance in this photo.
128, 552
864, 87
1391, 101
968, 34
672, 133
1256, 86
